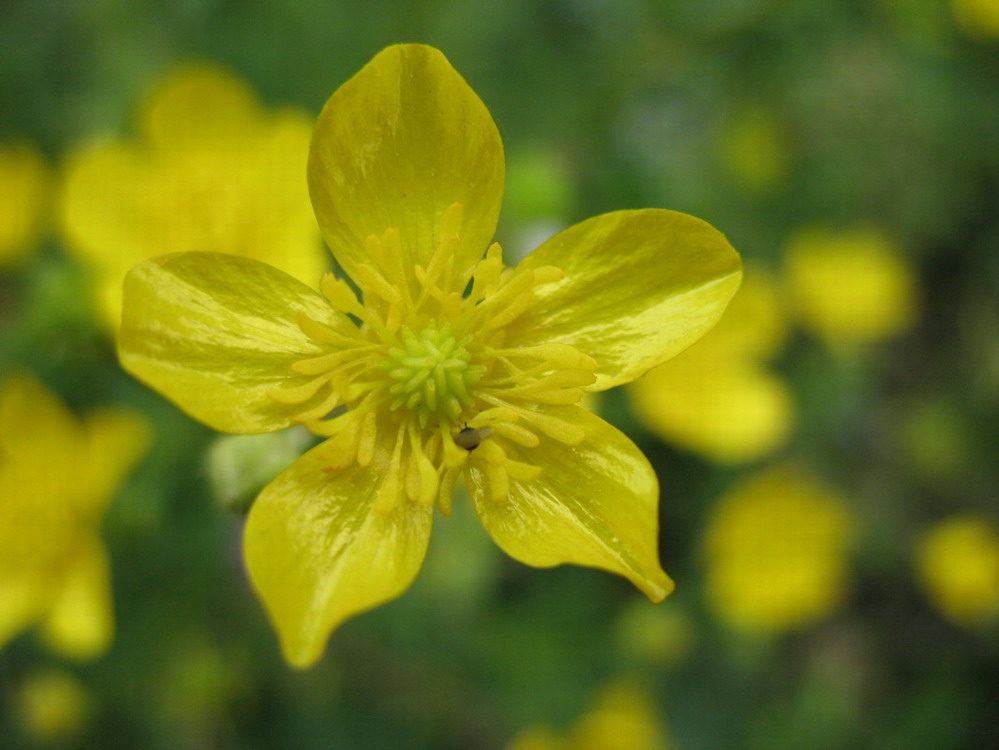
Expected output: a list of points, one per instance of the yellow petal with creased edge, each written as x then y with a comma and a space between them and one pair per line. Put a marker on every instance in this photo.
318, 552
215, 333
394, 147
729, 410
594, 504
640, 287
80, 624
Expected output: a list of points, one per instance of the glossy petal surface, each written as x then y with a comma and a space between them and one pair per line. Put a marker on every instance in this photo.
318, 552
394, 147
640, 287
594, 504
214, 333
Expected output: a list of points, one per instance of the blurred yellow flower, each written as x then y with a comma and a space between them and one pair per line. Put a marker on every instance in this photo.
57, 475
430, 377
753, 147
25, 184
53, 706
624, 718
977, 17
959, 569
776, 548
212, 171
718, 398
851, 286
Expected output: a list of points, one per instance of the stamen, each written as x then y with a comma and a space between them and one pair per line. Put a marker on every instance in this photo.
445, 494
556, 356
373, 282
339, 293
487, 274
454, 456
319, 411
499, 482
328, 361
421, 479
553, 427
391, 488
297, 394
517, 434
367, 438
323, 334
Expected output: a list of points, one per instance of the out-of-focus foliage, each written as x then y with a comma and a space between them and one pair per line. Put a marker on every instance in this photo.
764, 118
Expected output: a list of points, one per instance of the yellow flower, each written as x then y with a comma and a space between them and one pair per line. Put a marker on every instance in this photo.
959, 569
718, 398
624, 718
212, 171
850, 287
57, 474
776, 552
449, 366
24, 185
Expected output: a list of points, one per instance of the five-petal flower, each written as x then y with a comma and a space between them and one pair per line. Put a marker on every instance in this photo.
447, 366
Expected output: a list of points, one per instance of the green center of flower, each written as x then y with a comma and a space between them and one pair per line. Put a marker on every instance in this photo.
431, 373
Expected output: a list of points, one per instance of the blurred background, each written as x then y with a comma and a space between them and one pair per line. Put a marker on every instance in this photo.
827, 455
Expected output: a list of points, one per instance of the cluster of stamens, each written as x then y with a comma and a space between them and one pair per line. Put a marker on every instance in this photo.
432, 373
431, 363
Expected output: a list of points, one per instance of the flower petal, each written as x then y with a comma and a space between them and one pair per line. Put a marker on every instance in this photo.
215, 333
35, 426
25, 184
395, 146
318, 552
730, 410
115, 440
80, 624
594, 504
122, 203
640, 287
198, 103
